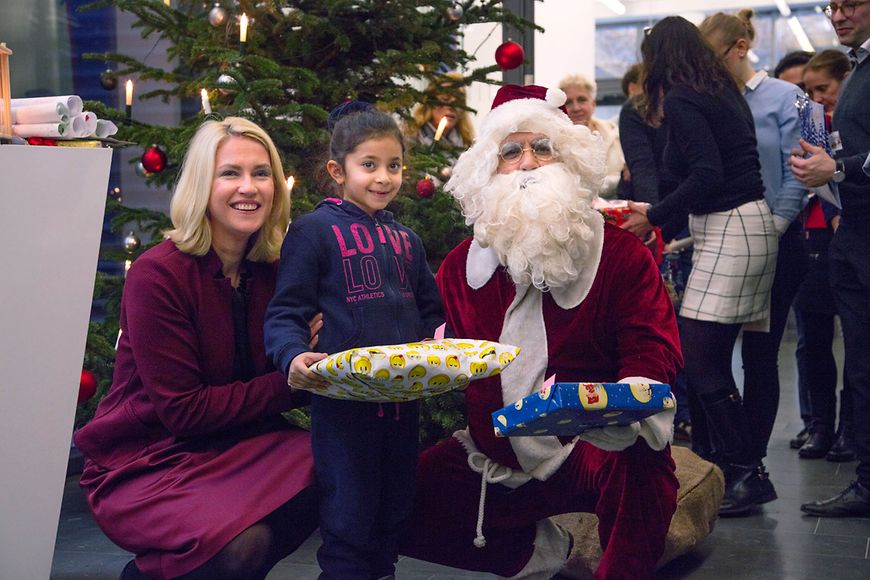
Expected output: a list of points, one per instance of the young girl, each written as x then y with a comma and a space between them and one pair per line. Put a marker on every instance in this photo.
369, 277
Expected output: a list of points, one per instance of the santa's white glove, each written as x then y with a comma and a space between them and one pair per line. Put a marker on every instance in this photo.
613, 438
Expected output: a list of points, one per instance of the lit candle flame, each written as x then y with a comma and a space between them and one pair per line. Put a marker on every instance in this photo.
206, 105
129, 100
291, 181
243, 28
441, 125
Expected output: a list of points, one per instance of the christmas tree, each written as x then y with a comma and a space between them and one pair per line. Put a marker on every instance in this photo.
285, 65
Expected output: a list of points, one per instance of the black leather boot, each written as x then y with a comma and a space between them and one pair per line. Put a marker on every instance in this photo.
746, 481
818, 444
131, 572
843, 448
798, 440
746, 486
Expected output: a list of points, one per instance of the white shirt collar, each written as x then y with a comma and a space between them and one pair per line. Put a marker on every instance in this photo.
862, 51
756, 80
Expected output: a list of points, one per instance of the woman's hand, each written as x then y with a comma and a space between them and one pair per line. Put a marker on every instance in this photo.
637, 223
300, 376
314, 325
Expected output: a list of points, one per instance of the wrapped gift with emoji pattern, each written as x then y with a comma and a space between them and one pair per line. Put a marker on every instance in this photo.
404, 372
568, 409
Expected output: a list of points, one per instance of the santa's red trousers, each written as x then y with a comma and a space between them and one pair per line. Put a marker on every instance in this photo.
633, 493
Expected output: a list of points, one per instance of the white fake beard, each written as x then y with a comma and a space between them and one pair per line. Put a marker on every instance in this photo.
537, 222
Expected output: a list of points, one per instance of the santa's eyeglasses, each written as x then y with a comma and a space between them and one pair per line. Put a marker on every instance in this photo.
512, 151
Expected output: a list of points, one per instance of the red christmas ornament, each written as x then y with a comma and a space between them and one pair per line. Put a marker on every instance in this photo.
509, 55
87, 385
426, 187
154, 159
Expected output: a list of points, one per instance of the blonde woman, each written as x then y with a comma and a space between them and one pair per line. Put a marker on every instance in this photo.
189, 464
580, 106
458, 130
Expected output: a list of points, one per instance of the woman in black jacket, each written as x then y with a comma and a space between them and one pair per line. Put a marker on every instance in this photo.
711, 148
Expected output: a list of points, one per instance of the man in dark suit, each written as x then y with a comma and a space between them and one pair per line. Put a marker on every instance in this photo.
850, 248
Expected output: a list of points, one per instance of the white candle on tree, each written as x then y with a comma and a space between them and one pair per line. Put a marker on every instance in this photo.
128, 101
442, 124
206, 105
243, 29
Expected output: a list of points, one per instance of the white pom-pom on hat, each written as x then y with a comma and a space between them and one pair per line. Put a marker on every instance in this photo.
556, 97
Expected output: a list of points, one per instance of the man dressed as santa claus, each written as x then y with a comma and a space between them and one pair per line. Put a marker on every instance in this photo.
585, 301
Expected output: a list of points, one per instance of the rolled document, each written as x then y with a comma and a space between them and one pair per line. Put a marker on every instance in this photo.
51, 130
76, 127
73, 103
40, 113
105, 129
88, 124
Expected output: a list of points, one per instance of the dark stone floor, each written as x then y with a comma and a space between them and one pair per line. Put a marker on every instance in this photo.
776, 543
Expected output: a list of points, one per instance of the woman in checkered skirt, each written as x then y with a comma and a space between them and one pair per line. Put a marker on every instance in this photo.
711, 147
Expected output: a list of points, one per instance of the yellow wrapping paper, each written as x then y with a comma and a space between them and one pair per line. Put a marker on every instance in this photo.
404, 372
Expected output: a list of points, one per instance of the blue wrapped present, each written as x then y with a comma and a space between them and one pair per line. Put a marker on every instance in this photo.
571, 408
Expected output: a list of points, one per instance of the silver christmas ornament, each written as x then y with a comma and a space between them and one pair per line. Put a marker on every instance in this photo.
455, 12
141, 171
226, 84
446, 172
131, 243
217, 15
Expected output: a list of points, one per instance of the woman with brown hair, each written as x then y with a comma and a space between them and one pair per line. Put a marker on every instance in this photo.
712, 150
823, 75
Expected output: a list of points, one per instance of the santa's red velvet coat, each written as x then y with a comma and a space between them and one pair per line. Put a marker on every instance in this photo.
625, 327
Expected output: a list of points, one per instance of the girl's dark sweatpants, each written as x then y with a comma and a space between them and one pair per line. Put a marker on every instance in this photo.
365, 457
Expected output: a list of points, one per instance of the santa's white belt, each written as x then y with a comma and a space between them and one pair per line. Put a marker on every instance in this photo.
490, 472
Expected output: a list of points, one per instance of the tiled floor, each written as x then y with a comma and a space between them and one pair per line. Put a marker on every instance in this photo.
776, 543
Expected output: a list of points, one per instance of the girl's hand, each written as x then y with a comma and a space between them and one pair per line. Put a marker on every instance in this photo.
637, 222
299, 375
314, 325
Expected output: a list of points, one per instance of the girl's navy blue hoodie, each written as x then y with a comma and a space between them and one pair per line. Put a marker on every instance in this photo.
368, 275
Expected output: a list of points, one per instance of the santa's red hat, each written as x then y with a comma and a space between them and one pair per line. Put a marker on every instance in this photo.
508, 93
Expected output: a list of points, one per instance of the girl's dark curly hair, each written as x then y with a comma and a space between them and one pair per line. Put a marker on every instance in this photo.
675, 54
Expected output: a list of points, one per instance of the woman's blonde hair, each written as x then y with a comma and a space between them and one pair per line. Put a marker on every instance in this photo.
423, 112
581, 81
189, 205
730, 27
